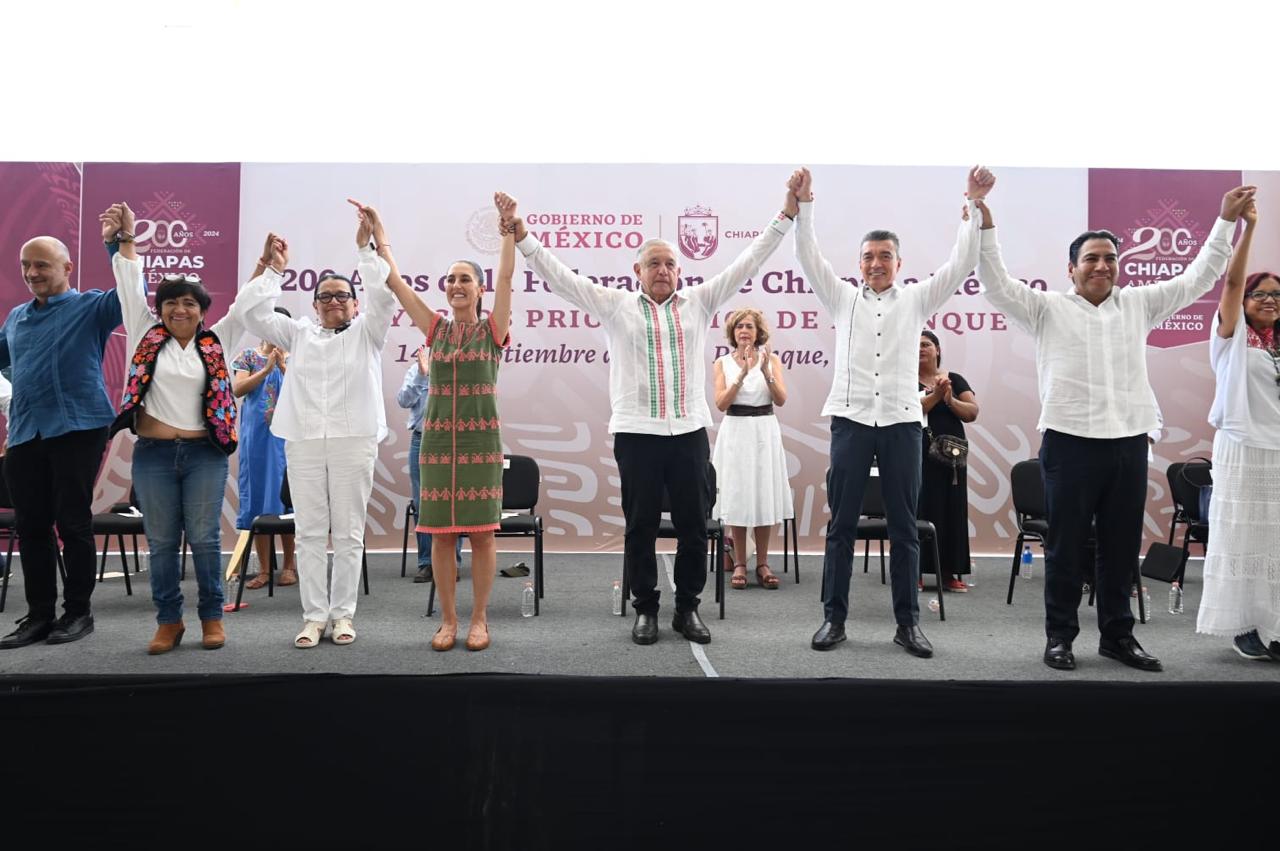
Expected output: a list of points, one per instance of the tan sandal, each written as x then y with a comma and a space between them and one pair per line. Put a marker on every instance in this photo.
445, 638
287, 577
767, 579
343, 632
259, 581
738, 580
312, 632
477, 640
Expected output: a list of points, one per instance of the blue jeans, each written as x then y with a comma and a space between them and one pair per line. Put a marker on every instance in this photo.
415, 482
180, 486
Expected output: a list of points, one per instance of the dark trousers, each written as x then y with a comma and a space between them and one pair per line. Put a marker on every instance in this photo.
51, 482
897, 448
647, 464
1088, 480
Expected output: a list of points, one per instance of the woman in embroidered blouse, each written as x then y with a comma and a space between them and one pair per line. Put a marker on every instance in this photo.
259, 373
178, 400
461, 456
1241, 568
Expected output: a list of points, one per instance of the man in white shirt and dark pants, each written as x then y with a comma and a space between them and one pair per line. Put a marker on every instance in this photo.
1096, 410
659, 421
874, 403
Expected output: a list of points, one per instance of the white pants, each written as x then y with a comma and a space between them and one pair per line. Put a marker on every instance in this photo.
330, 480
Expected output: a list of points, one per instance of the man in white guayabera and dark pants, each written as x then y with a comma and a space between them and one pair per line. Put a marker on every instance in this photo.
659, 421
1096, 408
874, 403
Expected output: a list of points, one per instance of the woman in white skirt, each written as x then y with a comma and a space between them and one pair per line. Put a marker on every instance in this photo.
751, 466
1242, 567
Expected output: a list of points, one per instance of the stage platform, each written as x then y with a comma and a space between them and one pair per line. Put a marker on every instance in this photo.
565, 735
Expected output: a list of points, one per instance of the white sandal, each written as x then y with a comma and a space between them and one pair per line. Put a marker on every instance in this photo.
343, 631
312, 632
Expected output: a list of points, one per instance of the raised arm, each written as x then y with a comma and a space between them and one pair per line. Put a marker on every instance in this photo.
1018, 301
416, 380
257, 299
1166, 298
721, 287
501, 314
1231, 304
827, 285
964, 254
131, 286
578, 290
380, 265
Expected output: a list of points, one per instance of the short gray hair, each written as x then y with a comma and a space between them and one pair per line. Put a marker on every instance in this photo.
653, 243
58, 245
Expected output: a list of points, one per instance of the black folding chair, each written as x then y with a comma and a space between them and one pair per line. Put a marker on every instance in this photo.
874, 526
789, 531
521, 483
118, 522
9, 528
1186, 478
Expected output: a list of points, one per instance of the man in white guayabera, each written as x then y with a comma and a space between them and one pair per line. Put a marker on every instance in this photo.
657, 372
1096, 407
874, 403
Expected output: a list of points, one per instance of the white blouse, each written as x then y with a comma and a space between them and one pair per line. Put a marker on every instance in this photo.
1246, 399
176, 397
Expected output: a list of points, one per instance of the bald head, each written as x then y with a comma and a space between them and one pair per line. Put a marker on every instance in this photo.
46, 267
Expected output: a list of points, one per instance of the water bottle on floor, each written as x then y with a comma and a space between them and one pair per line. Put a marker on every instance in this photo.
1175, 599
253, 568
617, 596
934, 605
526, 601
1146, 602
1027, 557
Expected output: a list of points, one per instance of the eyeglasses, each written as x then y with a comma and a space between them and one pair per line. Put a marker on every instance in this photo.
1263, 295
340, 298
180, 278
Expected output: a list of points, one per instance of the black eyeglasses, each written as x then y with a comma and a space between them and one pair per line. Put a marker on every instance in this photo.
1263, 295
180, 278
340, 298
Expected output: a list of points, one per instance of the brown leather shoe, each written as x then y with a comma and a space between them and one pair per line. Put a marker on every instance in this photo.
444, 638
214, 635
168, 636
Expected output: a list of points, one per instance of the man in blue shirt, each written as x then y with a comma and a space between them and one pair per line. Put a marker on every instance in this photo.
58, 420
412, 395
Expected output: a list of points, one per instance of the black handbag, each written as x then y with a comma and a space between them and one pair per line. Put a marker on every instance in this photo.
948, 450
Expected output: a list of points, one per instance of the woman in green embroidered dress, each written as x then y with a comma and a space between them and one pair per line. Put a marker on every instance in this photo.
461, 458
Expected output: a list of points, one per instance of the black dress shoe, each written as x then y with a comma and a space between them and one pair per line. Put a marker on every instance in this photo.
911, 639
423, 575
29, 631
691, 627
828, 636
1057, 654
1130, 652
646, 629
70, 628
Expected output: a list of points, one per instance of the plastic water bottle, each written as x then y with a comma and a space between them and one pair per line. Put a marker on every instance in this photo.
1146, 602
617, 596
1027, 558
526, 601
253, 568
1175, 599
144, 561
934, 605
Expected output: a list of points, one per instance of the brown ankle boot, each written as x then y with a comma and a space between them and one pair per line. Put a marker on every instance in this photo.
214, 635
168, 636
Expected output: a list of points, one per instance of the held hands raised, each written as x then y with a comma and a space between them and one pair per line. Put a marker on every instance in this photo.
981, 181
1250, 214
117, 221
800, 185
370, 226
508, 221
1235, 202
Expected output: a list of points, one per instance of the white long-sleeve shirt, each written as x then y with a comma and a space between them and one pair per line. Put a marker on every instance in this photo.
657, 352
176, 395
333, 387
1092, 360
877, 359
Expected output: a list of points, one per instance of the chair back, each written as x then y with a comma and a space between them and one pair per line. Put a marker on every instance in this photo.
1028, 490
711, 492
521, 481
1185, 480
285, 496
